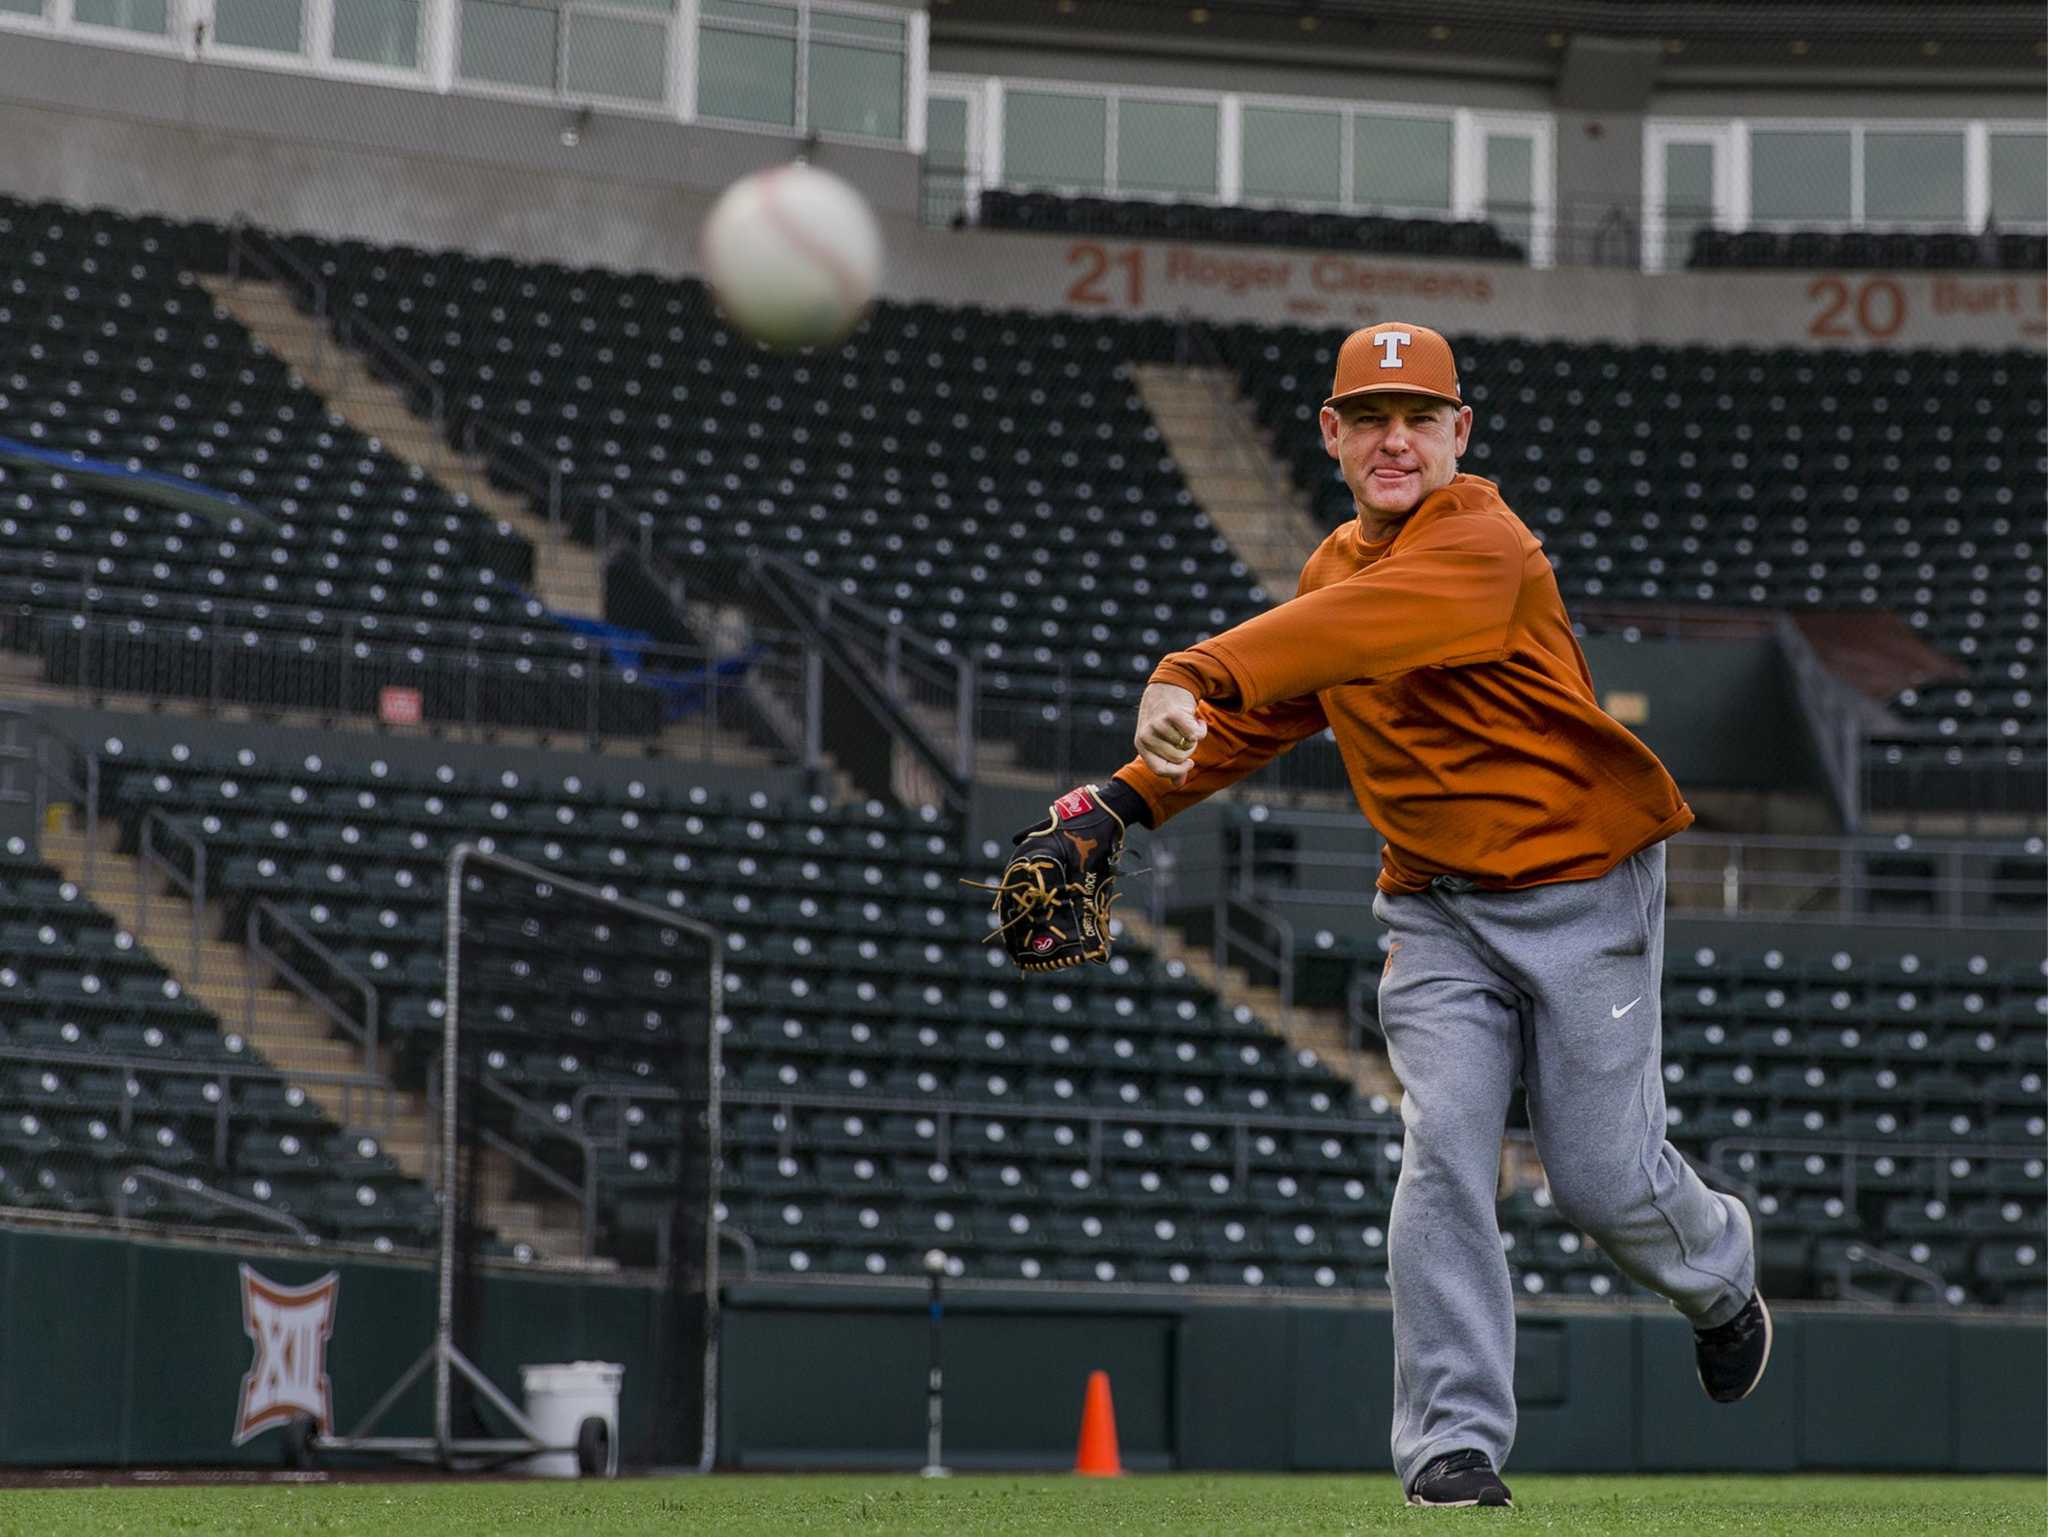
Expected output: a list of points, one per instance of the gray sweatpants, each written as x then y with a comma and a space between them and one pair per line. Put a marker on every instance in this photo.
1557, 986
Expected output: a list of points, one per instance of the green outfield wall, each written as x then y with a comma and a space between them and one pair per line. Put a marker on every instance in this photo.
132, 1353
117, 1352
815, 1378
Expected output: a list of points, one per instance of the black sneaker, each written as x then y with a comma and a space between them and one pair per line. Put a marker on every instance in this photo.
1459, 1478
1732, 1356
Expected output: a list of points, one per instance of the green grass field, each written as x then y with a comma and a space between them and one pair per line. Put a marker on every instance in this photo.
757, 1506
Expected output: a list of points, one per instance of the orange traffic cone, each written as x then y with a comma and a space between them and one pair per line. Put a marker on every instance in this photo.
1097, 1457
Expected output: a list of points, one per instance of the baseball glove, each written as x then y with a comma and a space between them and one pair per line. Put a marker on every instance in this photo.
1052, 903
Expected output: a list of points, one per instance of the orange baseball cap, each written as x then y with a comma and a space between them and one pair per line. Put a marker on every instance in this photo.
1395, 358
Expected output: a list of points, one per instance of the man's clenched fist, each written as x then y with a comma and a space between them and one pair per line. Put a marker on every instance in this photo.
1168, 729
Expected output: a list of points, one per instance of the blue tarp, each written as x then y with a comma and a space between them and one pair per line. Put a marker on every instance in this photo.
682, 693
145, 485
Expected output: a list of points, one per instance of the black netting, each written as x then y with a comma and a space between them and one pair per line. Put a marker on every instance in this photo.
585, 1115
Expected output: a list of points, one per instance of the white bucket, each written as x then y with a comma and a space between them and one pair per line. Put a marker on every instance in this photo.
559, 1398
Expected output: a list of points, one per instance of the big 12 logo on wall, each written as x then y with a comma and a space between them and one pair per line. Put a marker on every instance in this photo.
289, 1327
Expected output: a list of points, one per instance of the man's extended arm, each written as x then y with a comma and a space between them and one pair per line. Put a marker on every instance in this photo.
1236, 743
1446, 600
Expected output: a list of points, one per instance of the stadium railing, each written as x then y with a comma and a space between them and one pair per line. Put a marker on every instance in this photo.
622, 687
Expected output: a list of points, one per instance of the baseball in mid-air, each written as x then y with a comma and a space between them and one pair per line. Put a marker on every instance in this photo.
935, 1260
792, 255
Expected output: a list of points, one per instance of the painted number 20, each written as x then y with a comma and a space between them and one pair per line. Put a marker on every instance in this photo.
1092, 286
1875, 308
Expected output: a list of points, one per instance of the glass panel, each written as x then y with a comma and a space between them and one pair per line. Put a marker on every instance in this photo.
508, 44
270, 24
1799, 174
1913, 176
1688, 198
1401, 162
1054, 141
378, 32
22, 7
945, 159
2019, 178
844, 24
1166, 146
1511, 185
611, 56
855, 89
747, 76
1292, 157
740, 10
945, 133
129, 15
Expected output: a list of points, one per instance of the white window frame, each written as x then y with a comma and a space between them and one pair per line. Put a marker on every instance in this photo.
986, 94
1980, 171
179, 16
1729, 190
916, 58
1261, 102
992, 92
241, 54
42, 25
1469, 177
440, 50
497, 90
1731, 138
1171, 97
374, 74
970, 93
1359, 110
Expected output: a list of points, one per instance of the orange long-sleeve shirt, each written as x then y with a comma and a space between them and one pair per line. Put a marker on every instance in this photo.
1443, 663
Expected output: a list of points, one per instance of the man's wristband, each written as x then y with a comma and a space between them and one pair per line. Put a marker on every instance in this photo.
1126, 802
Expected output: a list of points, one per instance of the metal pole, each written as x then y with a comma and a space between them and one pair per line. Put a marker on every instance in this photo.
935, 1378
198, 905
969, 708
814, 707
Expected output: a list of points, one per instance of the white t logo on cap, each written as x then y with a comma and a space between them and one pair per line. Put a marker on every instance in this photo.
1391, 343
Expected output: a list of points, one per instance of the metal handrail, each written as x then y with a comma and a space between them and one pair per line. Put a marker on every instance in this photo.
15, 721
749, 1255
86, 787
351, 1085
191, 1184
247, 239
1852, 1148
364, 1030
1252, 456
350, 328
547, 482
1862, 1250
1834, 715
193, 886
1241, 1126
886, 642
1842, 886
465, 671
770, 576
584, 1194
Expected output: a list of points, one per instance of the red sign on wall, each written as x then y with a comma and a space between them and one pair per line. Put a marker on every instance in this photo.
398, 706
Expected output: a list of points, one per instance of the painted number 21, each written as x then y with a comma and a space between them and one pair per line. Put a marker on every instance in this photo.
1094, 285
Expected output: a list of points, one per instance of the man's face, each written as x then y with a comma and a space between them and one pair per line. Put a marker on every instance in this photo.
1395, 449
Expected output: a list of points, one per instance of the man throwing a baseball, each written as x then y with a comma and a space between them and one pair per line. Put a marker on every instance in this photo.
1522, 882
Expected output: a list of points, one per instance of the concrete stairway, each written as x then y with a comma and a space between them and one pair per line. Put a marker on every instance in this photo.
295, 1038
566, 574
1321, 1031
1222, 455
